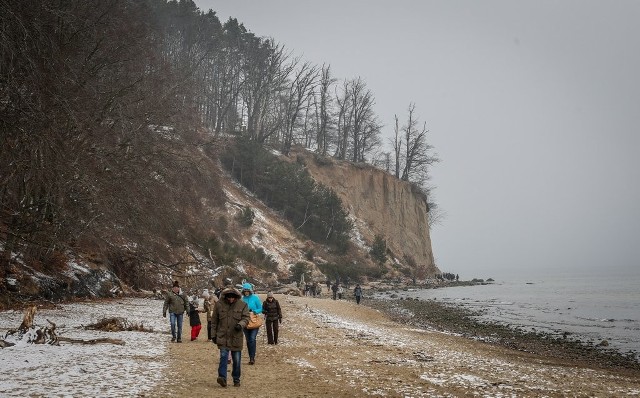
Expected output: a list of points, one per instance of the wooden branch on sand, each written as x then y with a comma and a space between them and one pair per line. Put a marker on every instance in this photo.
27, 320
92, 341
47, 334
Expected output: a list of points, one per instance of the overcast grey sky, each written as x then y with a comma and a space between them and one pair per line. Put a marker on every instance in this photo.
533, 107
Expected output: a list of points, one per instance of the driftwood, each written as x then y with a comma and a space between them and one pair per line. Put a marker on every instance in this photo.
27, 320
117, 325
92, 341
4, 344
47, 334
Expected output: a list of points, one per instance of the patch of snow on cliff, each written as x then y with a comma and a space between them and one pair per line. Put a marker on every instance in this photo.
356, 237
74, 267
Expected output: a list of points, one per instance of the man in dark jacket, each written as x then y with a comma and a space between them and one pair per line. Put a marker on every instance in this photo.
230, 315
177, 304
358, 293
334, 289
273, 316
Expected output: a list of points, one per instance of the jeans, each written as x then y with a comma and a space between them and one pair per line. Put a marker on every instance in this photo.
173, 319
250, 335
222, 366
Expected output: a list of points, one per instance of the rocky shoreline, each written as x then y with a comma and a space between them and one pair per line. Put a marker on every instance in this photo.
430, 314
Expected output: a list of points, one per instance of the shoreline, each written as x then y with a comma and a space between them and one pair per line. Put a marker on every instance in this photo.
458, 320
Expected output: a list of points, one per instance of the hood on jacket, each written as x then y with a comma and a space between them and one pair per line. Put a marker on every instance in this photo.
247, 286
230, 290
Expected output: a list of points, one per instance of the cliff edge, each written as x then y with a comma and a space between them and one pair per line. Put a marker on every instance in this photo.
381, 204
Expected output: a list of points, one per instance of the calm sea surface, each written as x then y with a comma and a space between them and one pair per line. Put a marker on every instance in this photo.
589, 308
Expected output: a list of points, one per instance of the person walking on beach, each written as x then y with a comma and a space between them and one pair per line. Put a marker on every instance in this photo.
340, 292
273, 317
229, 316
357, 292
194, 319
334, 289
255, 306
177, 304
209, 302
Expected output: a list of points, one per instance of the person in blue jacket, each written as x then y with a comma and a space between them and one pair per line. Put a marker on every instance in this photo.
255, 306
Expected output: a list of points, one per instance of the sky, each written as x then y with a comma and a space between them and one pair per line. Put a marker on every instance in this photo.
533, 108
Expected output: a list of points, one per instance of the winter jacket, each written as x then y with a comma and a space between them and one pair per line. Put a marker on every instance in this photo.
194, 315
175, 303
271, 310
208, 306
225, 317
252, 300
357, 291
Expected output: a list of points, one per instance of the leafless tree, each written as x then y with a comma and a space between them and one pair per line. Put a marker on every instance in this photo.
417, 151
324, 112
297, 95
265, 75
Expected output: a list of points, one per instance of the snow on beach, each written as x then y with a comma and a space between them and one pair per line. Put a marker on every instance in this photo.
79, 370
439, 365
328, 348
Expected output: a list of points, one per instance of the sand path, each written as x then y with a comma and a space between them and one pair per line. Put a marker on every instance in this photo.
339, 349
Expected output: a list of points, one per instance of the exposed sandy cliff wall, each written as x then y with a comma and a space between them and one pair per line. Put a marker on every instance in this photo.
382, 204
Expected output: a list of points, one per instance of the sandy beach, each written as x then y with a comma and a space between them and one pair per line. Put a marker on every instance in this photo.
340, 349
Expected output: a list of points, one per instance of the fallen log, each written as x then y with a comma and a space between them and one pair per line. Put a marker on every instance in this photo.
104, 340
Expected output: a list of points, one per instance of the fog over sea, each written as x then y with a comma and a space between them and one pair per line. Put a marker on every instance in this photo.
591, 308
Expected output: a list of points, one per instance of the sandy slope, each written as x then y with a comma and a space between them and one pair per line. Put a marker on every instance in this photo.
339, 349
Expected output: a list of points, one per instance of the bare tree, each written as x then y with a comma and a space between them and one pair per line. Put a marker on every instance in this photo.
298, 92
265, 76
344, 123
417, 151
362, 114
323, 114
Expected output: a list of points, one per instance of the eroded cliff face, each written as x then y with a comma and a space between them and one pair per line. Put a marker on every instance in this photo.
382, 205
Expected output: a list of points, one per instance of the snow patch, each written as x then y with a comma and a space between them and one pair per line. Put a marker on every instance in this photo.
78, 370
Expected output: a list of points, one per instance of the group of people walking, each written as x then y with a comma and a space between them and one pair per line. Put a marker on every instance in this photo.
228, 322
229, 312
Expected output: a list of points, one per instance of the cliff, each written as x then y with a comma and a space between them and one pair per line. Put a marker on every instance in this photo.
381, 204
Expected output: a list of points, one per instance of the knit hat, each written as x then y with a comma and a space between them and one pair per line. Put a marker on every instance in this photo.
176, 284
269, 294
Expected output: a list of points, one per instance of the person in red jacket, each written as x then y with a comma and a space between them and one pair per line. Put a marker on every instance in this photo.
194, 319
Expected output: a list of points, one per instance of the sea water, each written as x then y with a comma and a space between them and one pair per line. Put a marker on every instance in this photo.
586, 308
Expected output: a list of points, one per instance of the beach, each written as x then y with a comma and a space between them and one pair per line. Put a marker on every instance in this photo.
340, 349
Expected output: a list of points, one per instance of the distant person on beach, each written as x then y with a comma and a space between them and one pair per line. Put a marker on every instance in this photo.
209, 302
334, 289
340, 292
230, 315
255, 306
273, 317
357, 292
177, 304
194, 319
